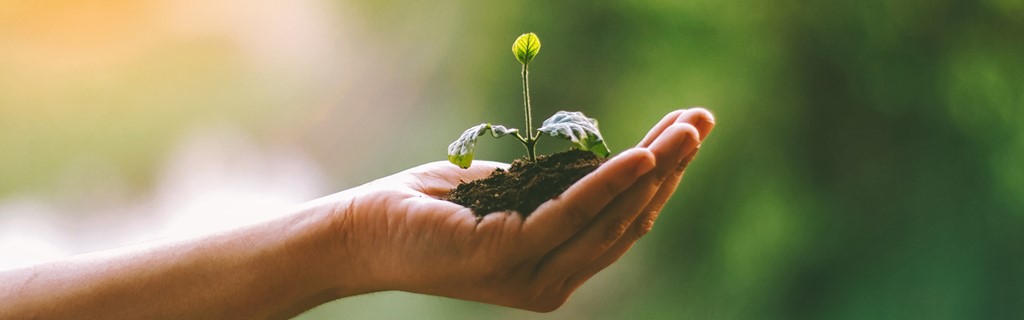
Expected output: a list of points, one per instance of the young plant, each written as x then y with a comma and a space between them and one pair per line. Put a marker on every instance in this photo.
574, 126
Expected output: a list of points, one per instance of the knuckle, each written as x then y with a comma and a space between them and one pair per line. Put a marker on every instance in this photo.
645, 225
680, 167
616, 230
661, 176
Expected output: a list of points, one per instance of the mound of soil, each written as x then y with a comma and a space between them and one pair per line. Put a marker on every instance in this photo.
525, 185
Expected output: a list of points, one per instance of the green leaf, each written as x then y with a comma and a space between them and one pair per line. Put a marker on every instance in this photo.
579, 129
526, 47
460, 152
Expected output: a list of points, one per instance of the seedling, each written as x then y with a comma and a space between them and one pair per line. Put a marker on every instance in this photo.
574, 126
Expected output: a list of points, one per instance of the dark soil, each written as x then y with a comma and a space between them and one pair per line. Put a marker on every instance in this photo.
525, 185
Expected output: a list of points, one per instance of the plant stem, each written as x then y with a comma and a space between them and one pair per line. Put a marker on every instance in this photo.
531, 148
531, 139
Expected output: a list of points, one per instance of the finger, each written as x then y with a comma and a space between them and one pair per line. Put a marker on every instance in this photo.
438, 178
660, 127
636, 230
675, 143
558, 219
670, 148
668, 188
700, 118
704, 122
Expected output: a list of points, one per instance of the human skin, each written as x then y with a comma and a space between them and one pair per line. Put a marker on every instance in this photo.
390, 234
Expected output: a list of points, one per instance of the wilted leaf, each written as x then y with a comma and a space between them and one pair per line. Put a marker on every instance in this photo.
526, 47
579, 129
460, 152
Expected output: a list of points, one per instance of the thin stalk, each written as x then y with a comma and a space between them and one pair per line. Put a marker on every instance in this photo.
531, 148
531, 139
530, 144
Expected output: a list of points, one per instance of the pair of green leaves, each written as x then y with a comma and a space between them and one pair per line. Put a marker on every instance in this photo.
573, 126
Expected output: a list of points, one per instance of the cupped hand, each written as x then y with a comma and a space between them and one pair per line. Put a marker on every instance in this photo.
407, 239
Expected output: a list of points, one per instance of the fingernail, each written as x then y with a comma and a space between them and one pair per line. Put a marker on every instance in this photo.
704, 126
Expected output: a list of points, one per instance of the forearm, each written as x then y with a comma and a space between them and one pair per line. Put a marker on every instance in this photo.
274, 269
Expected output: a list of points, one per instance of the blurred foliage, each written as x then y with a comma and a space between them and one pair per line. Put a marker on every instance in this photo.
866, 164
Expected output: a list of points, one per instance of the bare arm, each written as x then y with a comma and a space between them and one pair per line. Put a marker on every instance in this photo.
274, 269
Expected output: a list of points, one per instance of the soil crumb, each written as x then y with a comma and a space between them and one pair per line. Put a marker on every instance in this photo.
525, 185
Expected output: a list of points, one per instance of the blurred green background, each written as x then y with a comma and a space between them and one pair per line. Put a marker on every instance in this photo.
867, 162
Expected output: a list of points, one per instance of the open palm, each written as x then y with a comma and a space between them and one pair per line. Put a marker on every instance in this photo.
412, 241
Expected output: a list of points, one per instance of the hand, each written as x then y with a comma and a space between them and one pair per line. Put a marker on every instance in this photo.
397, 235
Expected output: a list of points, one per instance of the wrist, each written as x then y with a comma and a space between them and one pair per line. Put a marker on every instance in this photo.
300, 259
337, 259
